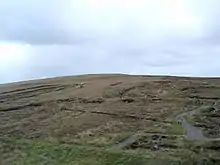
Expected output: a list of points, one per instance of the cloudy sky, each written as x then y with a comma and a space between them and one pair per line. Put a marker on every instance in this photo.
50, 38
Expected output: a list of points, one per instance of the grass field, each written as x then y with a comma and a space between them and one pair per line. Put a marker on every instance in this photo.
58, 121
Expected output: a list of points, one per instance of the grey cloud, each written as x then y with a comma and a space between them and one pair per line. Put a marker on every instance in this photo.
37, 22
67, 40
42, 22
58, 60
46, 37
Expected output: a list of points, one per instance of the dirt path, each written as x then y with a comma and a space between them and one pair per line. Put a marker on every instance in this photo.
133, 138
127, 142
192, 132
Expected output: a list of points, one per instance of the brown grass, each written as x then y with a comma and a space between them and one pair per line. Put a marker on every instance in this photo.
106, 108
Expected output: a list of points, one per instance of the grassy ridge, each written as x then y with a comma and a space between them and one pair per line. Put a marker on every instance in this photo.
40, 152
26, 152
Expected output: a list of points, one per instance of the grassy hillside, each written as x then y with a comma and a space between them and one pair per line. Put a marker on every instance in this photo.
60, 121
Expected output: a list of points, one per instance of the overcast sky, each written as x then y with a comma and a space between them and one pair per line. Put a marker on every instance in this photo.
50, 38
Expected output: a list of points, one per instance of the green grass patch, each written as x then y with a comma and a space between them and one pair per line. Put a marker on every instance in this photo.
175, 129
38, 152
189, 119
100, 140
28, 152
